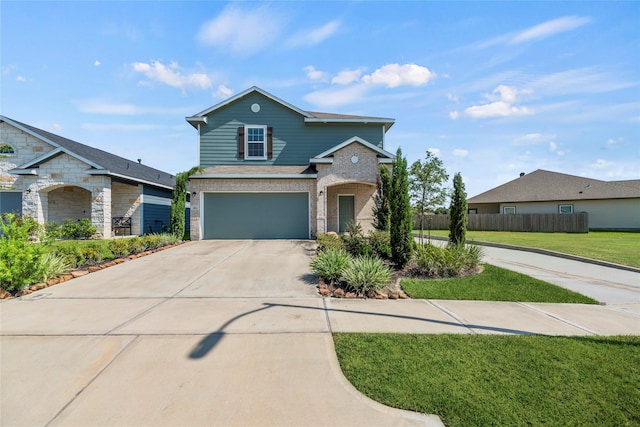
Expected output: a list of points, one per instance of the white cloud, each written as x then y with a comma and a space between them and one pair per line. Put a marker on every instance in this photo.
601, 164
394, 75
56, 127
453, 115
533, 139
315, 75
242, 30
21, 79
335, 97
96, 63
345, 77
7, 69
222, 92
496, 109
549, 28
171, 75
503, 98
314, 36
458, 152
453, 97
435, 151
553, 148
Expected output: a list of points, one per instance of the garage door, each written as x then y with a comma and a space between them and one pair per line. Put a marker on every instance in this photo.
256, 216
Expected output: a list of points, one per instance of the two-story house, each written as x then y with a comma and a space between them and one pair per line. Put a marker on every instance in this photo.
52, 179
275, 171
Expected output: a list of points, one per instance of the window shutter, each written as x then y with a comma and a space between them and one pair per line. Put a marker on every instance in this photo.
269, 142
241, 142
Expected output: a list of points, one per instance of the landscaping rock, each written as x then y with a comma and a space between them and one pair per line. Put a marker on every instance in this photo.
324, 292
79, 273
402, 295
394, 295
52, 282
338, 293
65, 277
94, 268
38, 286
381, 295
24, 292
350, 295
4, 294
118, 260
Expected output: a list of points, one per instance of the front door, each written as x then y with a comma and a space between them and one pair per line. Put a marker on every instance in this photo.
346, 211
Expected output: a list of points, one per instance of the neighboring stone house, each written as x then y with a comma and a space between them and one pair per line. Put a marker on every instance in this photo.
272, 170
52, 179
611, 205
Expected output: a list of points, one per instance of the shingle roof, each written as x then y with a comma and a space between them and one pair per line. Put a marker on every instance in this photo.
256, 170
114, 165
542, 185
309, 116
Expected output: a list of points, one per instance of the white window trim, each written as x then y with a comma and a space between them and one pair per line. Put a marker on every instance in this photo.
504, 210
565, 205
246, 142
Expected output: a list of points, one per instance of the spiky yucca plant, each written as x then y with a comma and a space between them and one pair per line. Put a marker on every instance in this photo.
330, 263
366, 273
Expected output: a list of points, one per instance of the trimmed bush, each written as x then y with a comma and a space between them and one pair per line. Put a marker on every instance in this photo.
78, 229
366, 273
329, 241
330, 263
355, 241
19, 258
451, 261
380, 242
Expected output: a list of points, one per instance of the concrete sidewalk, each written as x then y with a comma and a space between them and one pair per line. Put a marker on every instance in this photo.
226, 333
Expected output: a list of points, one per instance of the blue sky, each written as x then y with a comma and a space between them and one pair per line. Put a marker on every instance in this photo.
492, 88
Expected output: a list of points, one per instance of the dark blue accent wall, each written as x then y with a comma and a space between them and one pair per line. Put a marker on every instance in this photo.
155, 216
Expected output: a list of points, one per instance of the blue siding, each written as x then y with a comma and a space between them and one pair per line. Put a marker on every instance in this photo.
10, 201
155, 218
294, 142
158, 192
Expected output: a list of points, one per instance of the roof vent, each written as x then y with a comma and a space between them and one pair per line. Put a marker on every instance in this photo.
522, 173
139, 160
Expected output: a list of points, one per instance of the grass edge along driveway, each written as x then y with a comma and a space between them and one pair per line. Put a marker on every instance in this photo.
480, 380
618, 247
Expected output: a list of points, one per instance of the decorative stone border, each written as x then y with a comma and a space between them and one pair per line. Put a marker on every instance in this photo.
82, 272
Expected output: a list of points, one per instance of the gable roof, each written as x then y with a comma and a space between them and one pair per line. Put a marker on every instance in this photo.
101, 162
309, 116
325, 157
542, 185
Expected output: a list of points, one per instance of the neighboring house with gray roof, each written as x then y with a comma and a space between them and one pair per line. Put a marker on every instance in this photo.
52, 179
273, 170
610, 204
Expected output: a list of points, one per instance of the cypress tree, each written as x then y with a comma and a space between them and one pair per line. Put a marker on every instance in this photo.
381, 209
401, 226
179, 201
458, 212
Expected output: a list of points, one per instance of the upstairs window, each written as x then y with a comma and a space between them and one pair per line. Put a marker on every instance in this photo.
255, 142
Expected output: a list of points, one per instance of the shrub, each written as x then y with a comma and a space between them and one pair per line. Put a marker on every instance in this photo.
53, 231
365, 273
330, 263
329, 241
19, 258
119, 247
380, 242
451, 261
136, 244
78, 229
355, 241
52, 265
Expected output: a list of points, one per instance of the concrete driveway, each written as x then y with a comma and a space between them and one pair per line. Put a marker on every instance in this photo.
225, 333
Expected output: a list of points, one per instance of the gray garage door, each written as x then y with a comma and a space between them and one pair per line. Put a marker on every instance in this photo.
256, 216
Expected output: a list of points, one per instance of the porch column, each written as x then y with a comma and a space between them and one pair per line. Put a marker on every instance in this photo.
321, 206
101, 208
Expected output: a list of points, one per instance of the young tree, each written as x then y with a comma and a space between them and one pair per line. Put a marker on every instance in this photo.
458, 209
179, 201
400, 218
426, 184
381, 209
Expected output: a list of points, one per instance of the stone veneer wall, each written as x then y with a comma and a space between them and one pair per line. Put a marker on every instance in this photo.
248, 185
25, 148
125, 201
68, 203
345, 177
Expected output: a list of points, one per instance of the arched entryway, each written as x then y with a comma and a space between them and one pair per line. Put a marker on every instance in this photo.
352, 201
68, 202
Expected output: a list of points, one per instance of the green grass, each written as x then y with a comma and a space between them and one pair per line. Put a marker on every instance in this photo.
493, 284
617, 247
484, 380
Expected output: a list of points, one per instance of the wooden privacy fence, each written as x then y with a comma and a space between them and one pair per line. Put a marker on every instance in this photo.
546, 223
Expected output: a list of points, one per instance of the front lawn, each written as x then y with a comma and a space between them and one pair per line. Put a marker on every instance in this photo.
482, 380
617, 247
493, 284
